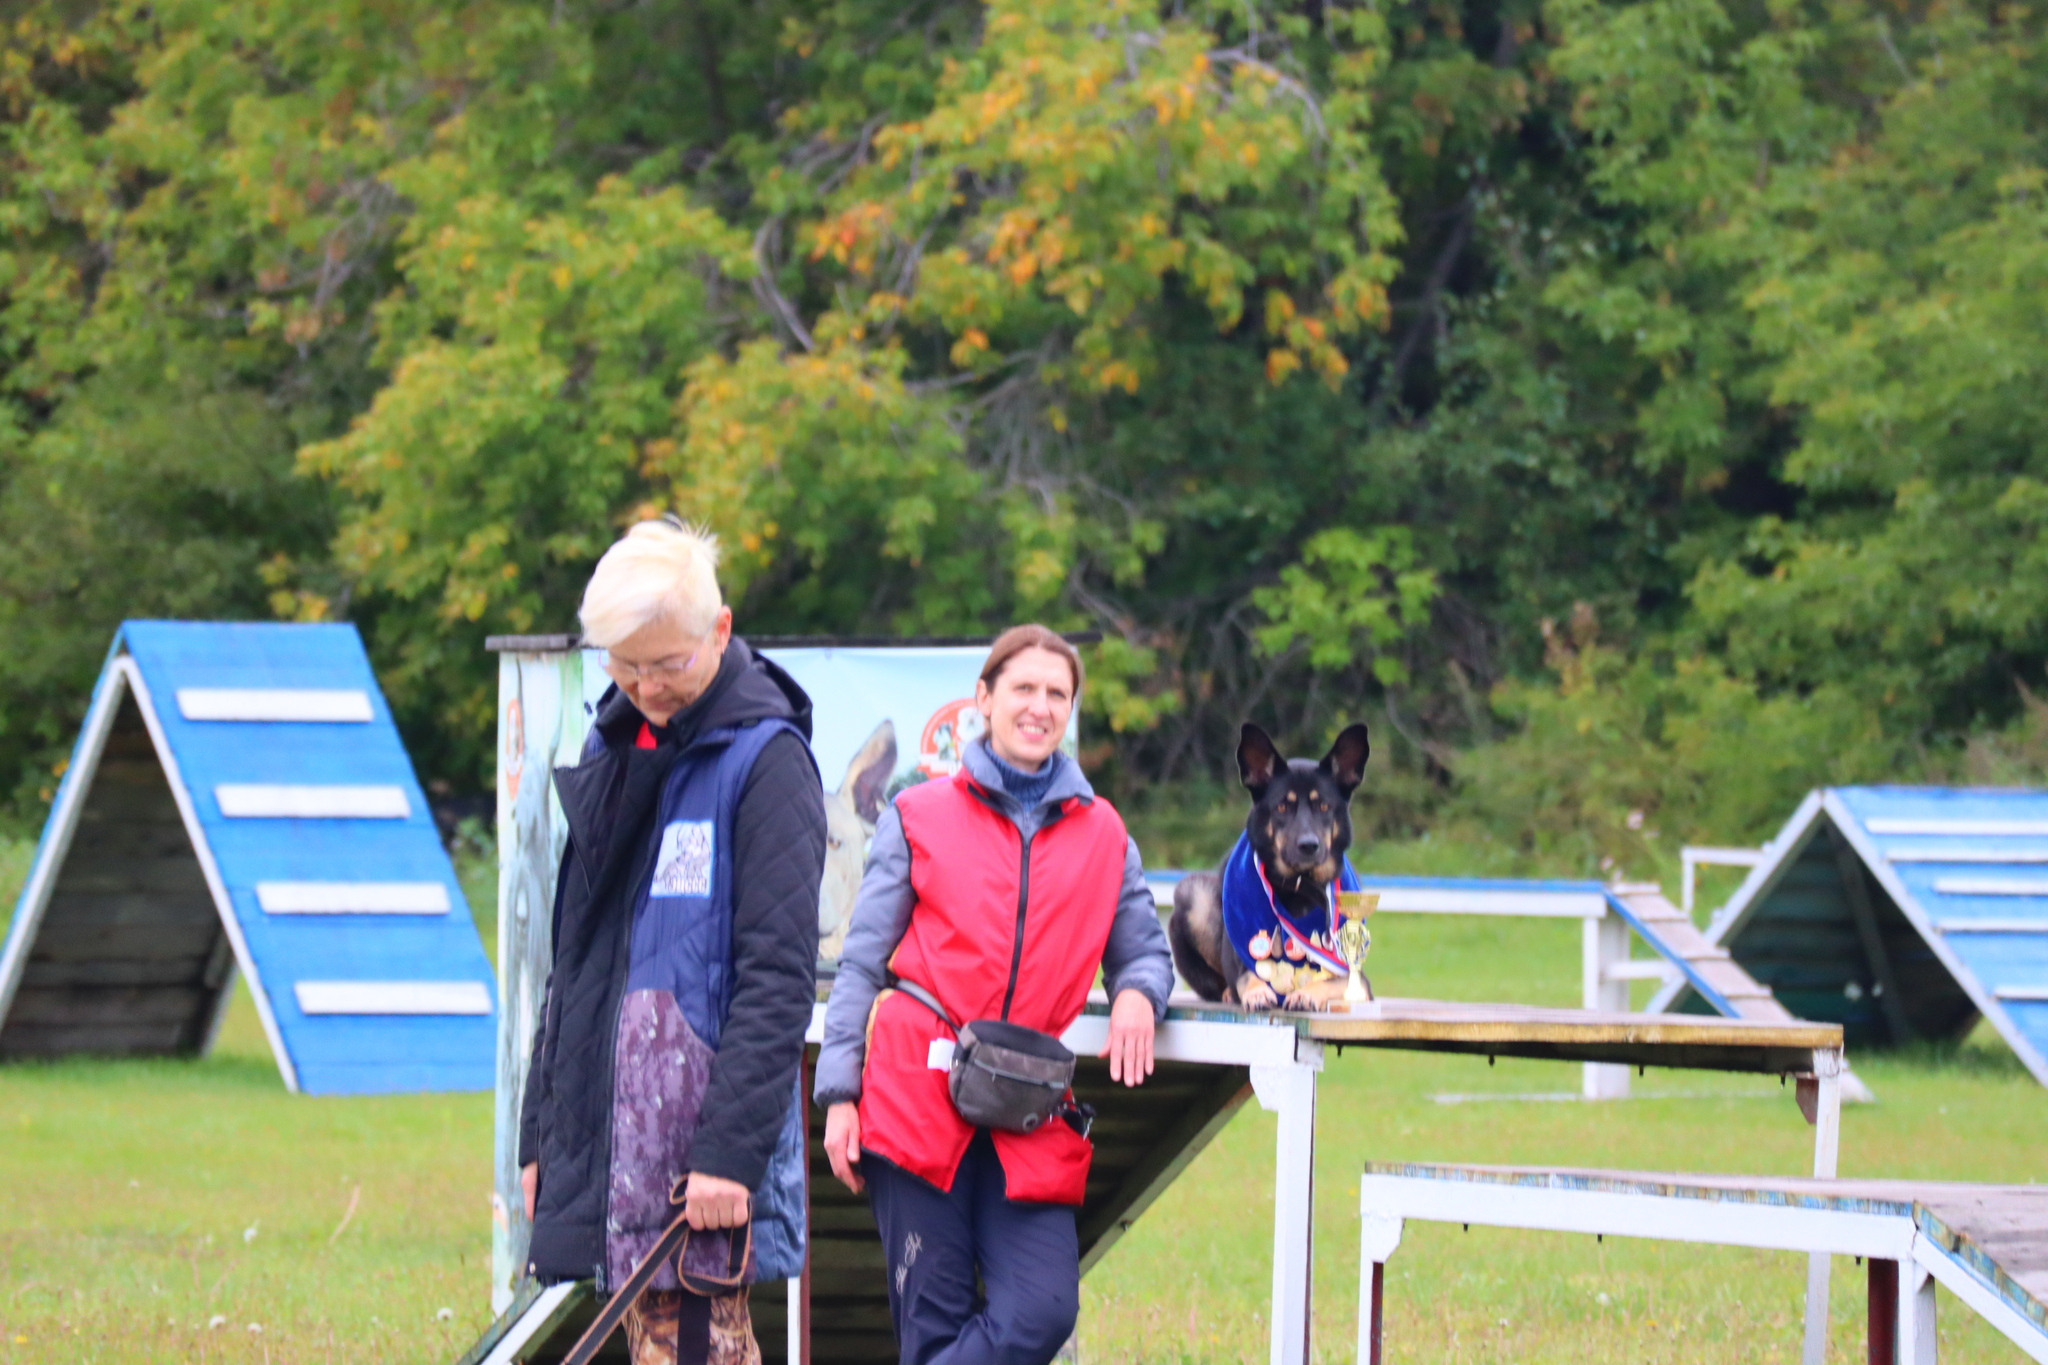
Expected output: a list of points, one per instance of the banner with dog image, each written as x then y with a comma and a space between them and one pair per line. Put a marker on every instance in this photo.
883, 718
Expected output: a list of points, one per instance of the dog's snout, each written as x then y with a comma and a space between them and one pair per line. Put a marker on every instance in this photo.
1308, 846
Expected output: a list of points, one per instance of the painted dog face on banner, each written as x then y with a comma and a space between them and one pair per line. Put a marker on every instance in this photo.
850, 815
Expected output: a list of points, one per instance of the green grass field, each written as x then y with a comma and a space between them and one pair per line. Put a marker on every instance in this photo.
144, 1201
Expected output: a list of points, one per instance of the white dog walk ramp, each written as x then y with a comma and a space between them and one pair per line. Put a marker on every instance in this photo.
1986, 1244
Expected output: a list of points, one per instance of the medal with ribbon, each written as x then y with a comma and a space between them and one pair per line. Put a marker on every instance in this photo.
1254, 917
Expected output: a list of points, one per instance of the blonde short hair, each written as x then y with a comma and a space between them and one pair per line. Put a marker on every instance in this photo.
659, 570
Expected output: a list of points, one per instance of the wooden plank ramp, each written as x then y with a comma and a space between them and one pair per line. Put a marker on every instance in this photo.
1711, 969
1670, 931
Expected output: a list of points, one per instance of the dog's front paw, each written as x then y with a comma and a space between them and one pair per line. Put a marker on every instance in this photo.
1255, 994
1314, 999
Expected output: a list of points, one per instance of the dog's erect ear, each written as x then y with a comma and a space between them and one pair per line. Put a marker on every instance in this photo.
867, 776
1258, 760
1346, 759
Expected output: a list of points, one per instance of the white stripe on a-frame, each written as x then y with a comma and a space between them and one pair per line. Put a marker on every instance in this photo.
254, 801
1958, 829
210, 869
1992, 926
352, 898
1991, 886
392, 997
2031, 994
328, 704
1966, 855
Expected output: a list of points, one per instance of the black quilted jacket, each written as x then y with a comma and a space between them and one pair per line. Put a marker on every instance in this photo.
779, 858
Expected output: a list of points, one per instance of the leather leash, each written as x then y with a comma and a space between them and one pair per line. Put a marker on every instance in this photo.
674, 1238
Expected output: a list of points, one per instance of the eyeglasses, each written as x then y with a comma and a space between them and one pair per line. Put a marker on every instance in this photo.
666, 673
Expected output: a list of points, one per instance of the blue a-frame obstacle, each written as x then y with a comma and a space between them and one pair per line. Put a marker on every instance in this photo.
1901, 913
239, 797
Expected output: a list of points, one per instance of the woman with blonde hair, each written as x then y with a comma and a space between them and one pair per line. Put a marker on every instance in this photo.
685, 946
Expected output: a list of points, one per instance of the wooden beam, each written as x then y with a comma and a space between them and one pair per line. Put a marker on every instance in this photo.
1162, 1163
1857, 891
1422, 1021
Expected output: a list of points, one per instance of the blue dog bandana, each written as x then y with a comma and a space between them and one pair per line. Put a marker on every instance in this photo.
1250, 909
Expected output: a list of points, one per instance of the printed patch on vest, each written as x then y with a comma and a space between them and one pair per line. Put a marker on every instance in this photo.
684, 865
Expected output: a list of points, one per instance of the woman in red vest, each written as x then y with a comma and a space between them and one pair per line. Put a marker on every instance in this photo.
1000, 891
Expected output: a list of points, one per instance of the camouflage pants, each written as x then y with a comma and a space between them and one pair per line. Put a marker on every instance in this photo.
676, 1328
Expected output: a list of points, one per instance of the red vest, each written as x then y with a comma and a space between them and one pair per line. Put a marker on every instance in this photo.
967, 945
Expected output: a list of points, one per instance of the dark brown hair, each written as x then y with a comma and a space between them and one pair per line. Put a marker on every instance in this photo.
1016, 640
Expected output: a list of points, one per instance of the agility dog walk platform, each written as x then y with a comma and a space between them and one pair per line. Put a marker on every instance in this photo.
1212, 1059
1986, 1244
1608, 914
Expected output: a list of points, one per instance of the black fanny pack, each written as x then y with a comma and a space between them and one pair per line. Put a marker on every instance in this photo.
1004, 1075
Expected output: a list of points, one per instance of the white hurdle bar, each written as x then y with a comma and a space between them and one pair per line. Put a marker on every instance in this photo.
1904, 1263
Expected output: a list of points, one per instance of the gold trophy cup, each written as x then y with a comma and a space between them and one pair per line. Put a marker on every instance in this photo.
1354, 941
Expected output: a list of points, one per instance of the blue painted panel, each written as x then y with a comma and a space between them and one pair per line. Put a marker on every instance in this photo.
2003, 959
1921, 877
358, 1041
332, 1054
1943, 803
2030, 1017
386, 1078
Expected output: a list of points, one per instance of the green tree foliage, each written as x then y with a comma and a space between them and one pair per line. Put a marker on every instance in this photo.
1617, 760
1852, 207
1317, 354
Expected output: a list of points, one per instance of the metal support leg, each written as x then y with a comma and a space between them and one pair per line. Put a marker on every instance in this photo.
1916, 1342
1290, 1091
1379, 1234
1827, 1137
1605, 944
800, 1287
1881, 1330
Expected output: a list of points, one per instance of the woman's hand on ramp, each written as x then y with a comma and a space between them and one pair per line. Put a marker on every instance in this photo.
842, 1144
1130, 1039
529, 1184
711, 1201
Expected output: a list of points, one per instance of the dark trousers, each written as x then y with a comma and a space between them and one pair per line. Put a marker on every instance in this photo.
1027, 1255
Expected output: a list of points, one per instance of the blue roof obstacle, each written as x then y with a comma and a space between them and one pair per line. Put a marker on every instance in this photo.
239, 797
1900, 913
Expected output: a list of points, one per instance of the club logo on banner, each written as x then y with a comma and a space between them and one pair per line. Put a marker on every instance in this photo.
947, 734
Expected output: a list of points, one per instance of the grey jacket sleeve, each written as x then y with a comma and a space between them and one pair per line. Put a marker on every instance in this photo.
881, 915
1136, 957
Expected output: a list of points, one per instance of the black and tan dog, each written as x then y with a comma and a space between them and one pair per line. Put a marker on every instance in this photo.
1299, 829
